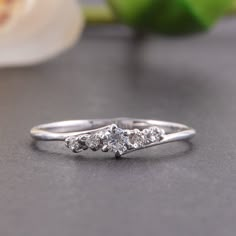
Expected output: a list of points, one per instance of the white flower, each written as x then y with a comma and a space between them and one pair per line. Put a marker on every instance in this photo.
33, 31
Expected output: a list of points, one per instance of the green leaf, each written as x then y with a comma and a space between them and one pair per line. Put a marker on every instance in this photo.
170, 16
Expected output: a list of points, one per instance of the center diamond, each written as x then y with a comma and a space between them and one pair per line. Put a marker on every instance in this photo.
117, 141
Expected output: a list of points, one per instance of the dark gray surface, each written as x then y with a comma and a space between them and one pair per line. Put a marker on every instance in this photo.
177, 189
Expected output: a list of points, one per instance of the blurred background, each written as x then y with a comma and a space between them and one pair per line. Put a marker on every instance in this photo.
61, 61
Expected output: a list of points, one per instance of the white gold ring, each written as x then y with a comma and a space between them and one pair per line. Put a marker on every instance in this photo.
119, 135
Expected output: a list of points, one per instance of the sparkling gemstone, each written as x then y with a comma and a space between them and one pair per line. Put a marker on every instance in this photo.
117, 141
104, 135
73, 144
151, 135
93, 141
136, 139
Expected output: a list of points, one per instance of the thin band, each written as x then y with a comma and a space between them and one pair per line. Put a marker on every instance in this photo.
60, 131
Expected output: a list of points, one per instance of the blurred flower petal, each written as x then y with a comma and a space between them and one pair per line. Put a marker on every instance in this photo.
33, 31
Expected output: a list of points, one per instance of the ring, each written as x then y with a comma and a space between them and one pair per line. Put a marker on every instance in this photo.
119, 135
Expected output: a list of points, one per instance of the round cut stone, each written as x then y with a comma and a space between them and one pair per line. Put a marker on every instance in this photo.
136, 139
104, 135
93, 142
73, 144
151, 135
117, 141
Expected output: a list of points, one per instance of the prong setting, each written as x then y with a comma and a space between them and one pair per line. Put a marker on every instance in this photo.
114, 139
105, 148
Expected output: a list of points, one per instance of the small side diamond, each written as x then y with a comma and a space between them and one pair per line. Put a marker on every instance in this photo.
136, 139
94, 142
152, 134
104, 135
73, 144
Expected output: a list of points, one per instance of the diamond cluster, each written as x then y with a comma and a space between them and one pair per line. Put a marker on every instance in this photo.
115, 139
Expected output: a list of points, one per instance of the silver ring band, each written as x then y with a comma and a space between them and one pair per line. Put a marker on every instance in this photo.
119, 135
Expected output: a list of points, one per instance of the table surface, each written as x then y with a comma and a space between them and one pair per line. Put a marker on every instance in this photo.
176, 189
